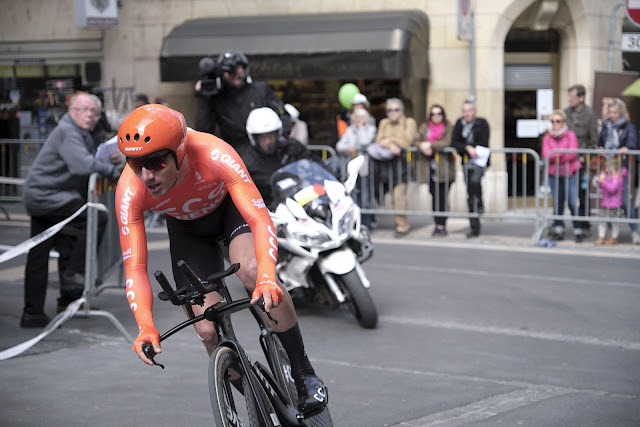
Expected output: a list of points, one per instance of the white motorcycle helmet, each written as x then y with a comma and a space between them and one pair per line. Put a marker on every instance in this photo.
261, 121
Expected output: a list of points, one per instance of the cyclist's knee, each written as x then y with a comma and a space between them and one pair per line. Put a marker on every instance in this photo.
248, 273
207, 333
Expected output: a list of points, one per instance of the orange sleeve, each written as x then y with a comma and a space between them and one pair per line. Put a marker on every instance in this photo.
130, 194
251, 206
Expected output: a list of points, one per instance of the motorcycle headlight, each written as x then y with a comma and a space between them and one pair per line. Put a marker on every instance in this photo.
313, 238
346, 222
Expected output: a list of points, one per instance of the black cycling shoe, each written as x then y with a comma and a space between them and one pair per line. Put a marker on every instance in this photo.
312, 394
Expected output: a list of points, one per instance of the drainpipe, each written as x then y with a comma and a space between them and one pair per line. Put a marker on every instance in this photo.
612, 32
472, 59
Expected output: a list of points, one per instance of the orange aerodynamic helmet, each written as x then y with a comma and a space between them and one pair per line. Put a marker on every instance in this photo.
152, 128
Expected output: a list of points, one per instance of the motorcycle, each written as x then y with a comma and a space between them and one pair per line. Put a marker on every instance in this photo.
320, 238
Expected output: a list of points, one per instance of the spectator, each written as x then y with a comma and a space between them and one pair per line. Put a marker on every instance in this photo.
162, 164
343, 120
270, 149
620, 134
469, 133
611, 182
225, 113
299, 130
54, 189
139, 100
562, 173
582, 120
395, 133
433, 137
354, 143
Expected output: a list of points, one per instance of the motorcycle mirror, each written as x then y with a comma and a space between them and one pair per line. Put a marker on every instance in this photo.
295, 208
353, 168
335, 190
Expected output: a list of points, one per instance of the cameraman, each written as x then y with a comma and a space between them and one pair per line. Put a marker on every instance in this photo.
227, 95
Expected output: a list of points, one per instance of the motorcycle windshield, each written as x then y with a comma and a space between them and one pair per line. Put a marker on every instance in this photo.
292, 179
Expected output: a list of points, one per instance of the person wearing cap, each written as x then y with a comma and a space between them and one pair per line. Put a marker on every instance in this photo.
139, 100
202, 185
299, 130
225, 113
343, 120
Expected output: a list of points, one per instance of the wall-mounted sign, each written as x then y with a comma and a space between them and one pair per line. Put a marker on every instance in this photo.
96, 13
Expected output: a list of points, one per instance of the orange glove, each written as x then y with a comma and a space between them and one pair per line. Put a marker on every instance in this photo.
267, 287
148, 334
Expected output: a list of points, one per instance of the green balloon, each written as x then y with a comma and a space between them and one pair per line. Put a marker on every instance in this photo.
346, 94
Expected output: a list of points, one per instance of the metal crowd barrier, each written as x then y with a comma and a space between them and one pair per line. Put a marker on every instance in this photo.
592, 195
520, 201
103, 261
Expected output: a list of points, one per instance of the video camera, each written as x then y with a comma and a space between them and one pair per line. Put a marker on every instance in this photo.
210, 74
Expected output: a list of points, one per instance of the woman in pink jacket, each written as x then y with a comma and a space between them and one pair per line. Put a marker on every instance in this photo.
562, 172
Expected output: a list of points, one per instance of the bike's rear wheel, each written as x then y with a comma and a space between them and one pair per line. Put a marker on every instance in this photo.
232, 401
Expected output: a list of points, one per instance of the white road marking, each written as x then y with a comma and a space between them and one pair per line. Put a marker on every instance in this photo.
490, 407
517, 246
517, 276
542, 335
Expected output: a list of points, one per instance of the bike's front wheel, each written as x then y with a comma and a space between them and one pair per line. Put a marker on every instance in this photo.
232, 401
358, 299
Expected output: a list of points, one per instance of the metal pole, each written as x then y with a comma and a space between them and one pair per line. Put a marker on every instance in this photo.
612, 32
472, 59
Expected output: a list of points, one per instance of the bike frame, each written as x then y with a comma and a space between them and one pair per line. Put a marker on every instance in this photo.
220, 315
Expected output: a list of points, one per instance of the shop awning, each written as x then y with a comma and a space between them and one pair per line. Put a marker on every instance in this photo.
633, 89
372, 45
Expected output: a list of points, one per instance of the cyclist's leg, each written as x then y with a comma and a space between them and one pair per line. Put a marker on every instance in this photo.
241, 250
196, 243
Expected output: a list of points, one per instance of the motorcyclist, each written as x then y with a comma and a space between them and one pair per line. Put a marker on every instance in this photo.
270, 150
225, 112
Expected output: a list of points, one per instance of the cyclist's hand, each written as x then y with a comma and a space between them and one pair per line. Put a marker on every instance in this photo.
149, 334
270, 291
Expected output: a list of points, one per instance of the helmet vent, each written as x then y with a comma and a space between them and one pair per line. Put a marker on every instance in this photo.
147, 139
128, 137
136, 137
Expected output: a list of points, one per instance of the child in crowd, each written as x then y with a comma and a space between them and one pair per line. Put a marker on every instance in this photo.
611, 182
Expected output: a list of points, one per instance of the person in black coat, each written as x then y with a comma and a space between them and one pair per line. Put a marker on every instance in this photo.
224, 112
469, 133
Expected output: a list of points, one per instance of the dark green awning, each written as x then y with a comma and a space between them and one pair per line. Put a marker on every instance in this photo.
375, 45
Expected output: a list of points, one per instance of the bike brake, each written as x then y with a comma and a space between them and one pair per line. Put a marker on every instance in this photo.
261, 305
148, 351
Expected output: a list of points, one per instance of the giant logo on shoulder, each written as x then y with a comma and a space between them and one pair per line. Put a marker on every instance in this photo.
217, 155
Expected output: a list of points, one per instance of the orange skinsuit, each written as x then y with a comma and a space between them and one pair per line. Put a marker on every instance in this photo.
215, 169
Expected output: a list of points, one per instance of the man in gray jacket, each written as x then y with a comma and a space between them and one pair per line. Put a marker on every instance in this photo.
583, 121
54, 189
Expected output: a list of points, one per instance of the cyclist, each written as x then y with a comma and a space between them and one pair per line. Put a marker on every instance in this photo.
270, 149
202, 186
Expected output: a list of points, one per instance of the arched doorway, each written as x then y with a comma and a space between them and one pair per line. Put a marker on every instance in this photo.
530, 74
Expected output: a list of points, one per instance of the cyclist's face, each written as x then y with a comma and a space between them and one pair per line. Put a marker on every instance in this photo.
160, 181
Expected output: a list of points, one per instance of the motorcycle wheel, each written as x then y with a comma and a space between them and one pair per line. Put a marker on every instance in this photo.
358, 299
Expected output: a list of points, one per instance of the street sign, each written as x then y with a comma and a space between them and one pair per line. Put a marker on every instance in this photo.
630, 42
633, 11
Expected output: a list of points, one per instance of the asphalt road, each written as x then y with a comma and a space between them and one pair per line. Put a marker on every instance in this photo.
484, 332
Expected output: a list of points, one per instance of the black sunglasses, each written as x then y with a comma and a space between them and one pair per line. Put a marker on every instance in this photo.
437, 113
152, 164
393, 110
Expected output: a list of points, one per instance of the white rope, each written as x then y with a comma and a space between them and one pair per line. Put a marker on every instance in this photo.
46, 234
52, 326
